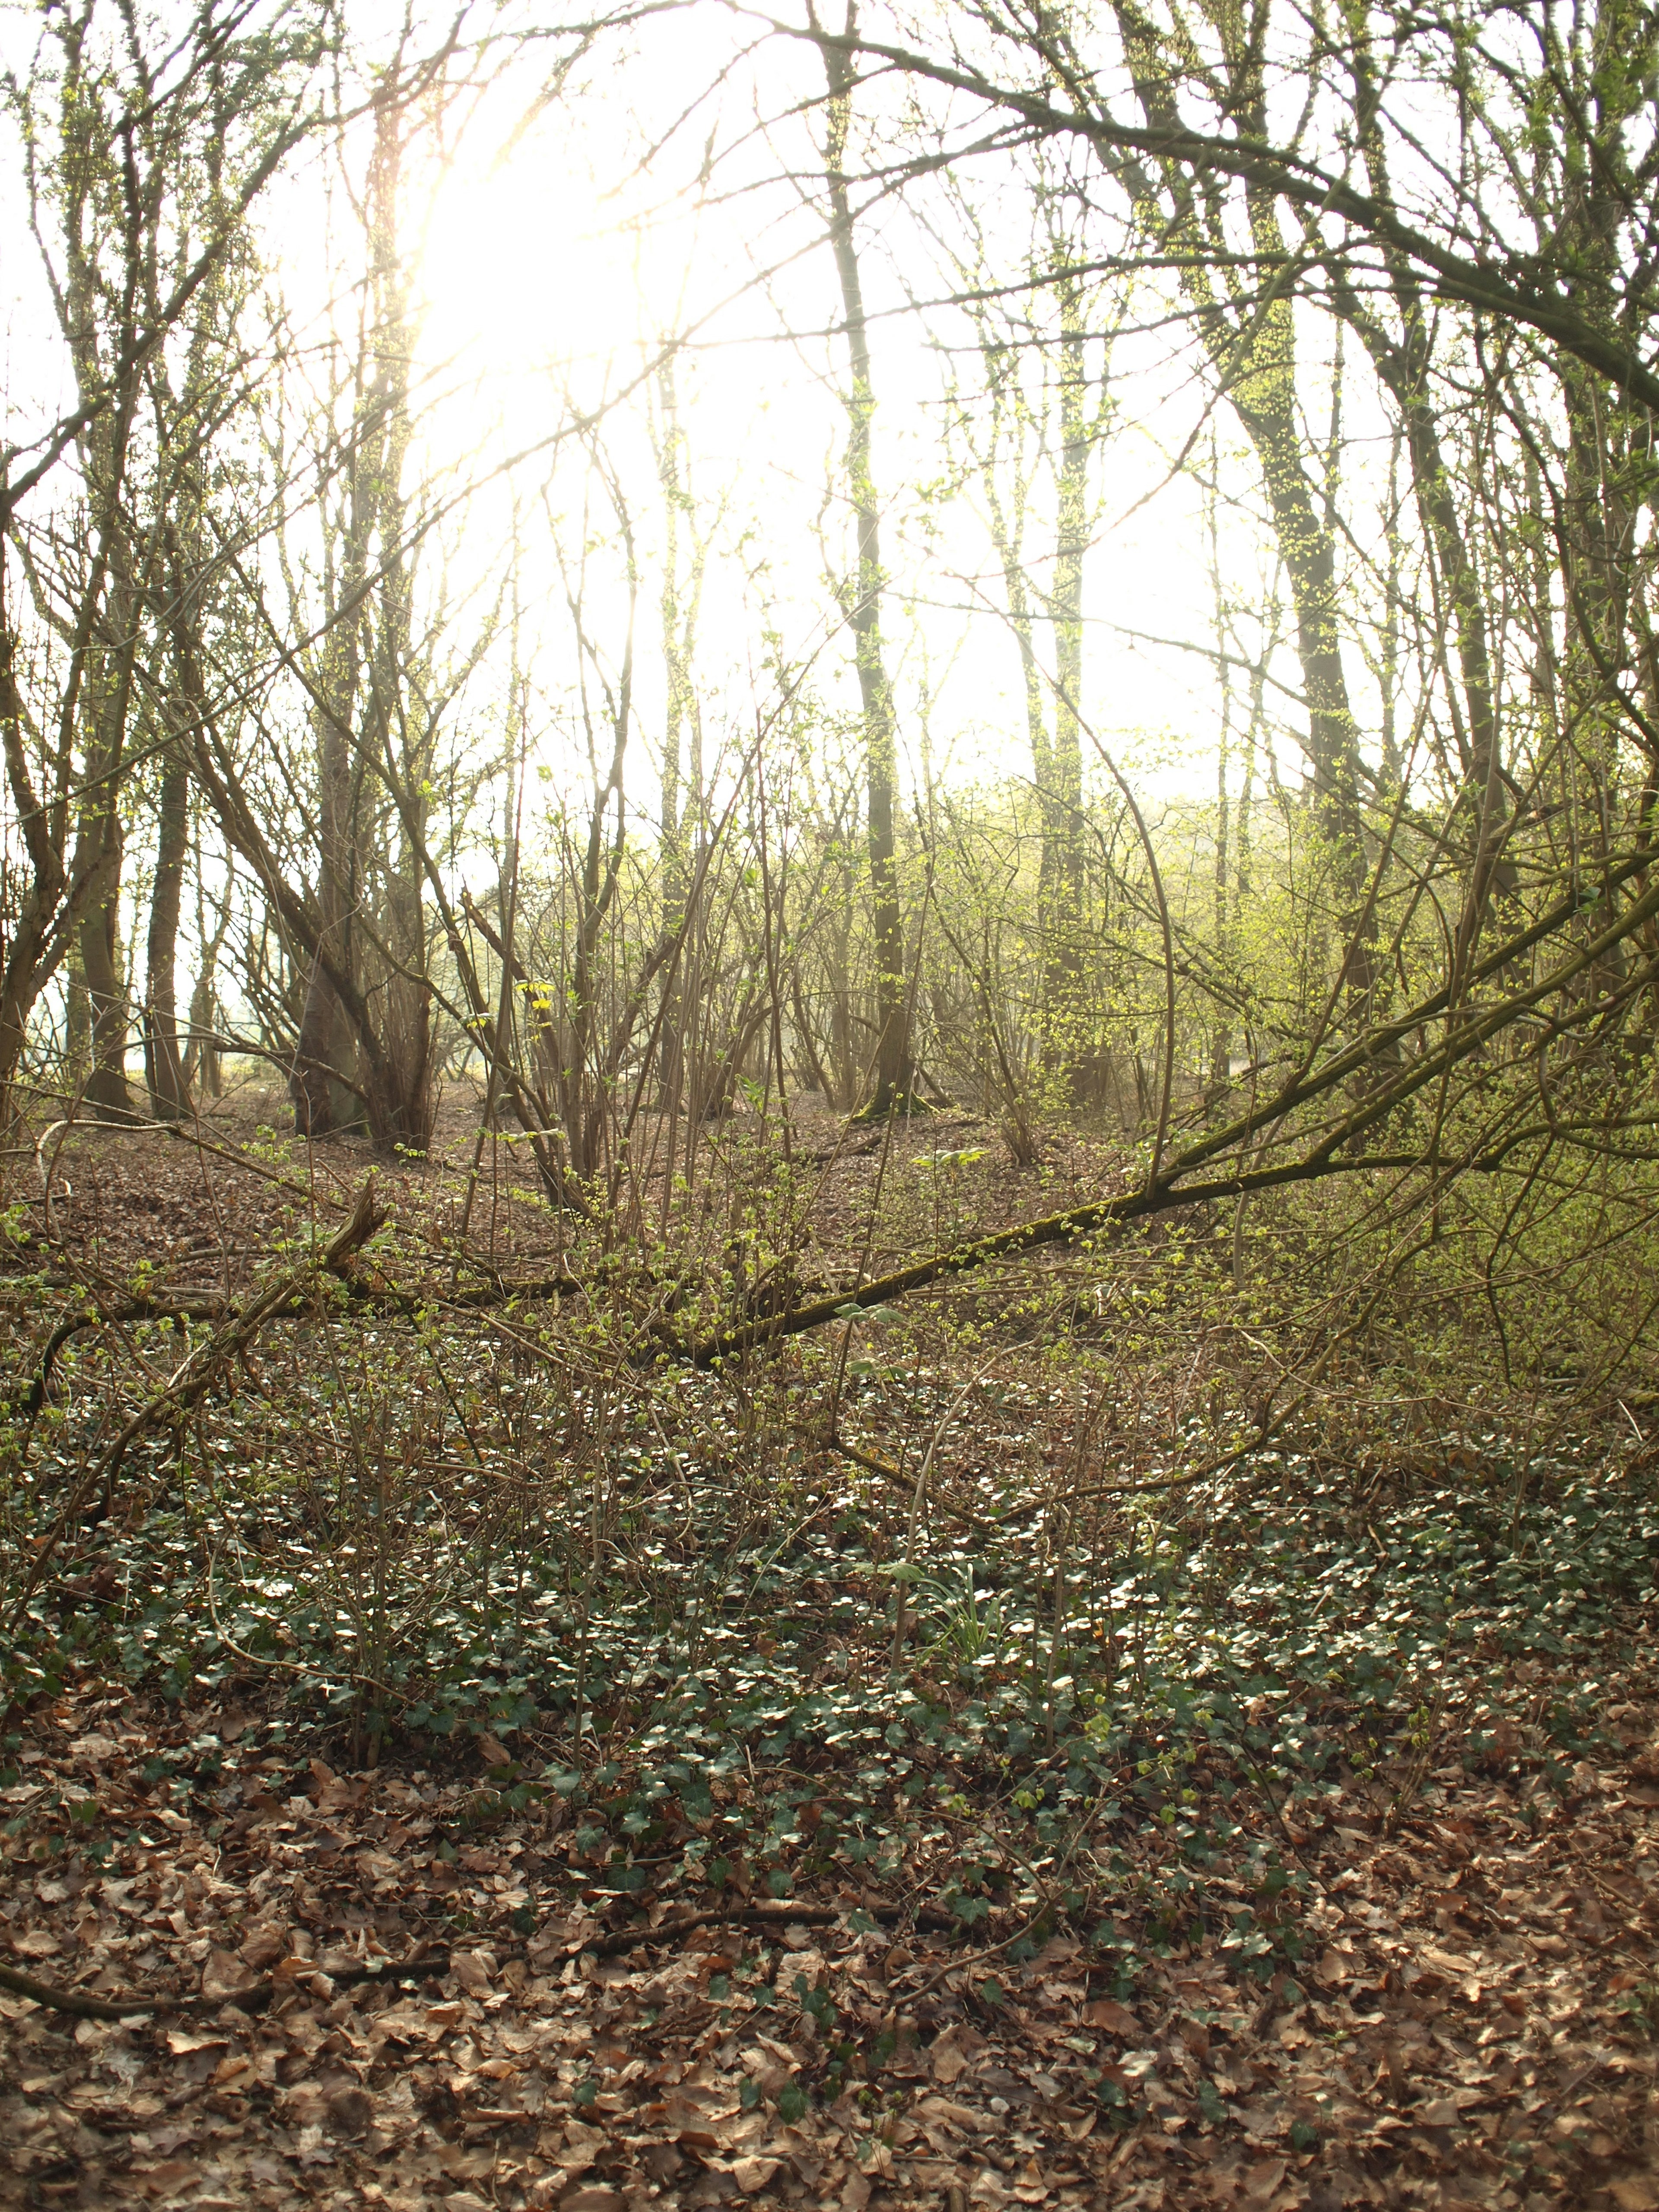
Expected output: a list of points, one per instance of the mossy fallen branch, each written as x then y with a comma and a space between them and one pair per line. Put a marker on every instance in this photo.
1333, 1151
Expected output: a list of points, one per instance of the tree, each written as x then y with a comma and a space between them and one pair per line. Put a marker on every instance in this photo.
861, 601
1013, 432
143, 161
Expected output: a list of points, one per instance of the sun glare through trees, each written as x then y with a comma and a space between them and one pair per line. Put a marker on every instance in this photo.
829, 1104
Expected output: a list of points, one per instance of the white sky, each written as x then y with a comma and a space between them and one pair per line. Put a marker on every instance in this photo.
551, 270
555, 269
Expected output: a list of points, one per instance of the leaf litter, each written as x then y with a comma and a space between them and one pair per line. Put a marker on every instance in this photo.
1306, 1857
1384, 1980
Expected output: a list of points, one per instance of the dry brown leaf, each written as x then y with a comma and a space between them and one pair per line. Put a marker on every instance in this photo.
1435, 2113
263, 1947
953, 2114
350, 2110
471, 1970
225, 1975
1449, 1962
953, 2052
182, 2040
753, 2173
165, 2178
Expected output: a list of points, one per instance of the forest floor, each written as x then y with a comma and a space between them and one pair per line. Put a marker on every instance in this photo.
1323, 1890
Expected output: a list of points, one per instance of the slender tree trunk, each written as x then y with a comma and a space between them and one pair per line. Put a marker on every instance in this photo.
1222, 1049
1251, 341
1265, 401
1402, 360
202, 1058
682, 741
324, 1050
101, 835
891, 1085
163, 1067
1062, 872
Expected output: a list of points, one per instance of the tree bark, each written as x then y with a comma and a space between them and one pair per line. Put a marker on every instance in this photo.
889, 1086
106, 1091
164, 1074
1062, 872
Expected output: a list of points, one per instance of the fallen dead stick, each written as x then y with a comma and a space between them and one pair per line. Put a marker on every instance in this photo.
1335, 1152
208, 1306
259, 1994
958, 1967
256, 1996
197, 1372
896, 1475
761, 1915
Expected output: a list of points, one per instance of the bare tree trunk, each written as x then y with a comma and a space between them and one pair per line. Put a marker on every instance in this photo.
77, 1019
203, 1057
1062, 870
106, 1091
164, 1074
101, 835
326, 1047
374, 735
1251, 341
679, 606
890, 1085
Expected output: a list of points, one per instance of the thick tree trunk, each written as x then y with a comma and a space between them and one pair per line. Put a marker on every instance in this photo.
106, 1091
322, 1101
